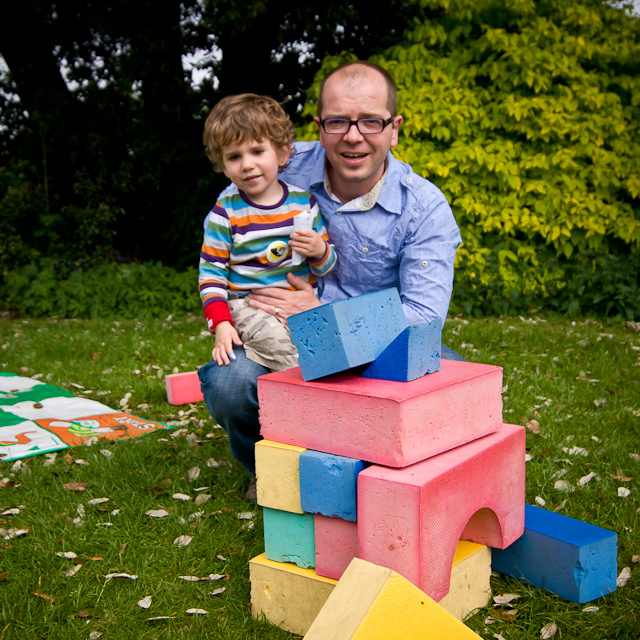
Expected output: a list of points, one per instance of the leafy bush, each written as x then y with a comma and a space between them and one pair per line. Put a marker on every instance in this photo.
527, 116
147, 290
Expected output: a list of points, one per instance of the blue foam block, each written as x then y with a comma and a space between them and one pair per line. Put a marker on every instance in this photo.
328, 484
570, 558
289, 537
413, 354
347, 333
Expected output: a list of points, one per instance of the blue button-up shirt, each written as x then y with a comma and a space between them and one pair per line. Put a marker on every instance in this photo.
407, 240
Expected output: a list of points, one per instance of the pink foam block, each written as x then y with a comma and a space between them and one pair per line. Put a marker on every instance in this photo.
410, 520
391, 423
336, 545
183, 388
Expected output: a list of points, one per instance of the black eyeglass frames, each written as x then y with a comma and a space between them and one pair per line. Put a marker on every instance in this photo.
366, 126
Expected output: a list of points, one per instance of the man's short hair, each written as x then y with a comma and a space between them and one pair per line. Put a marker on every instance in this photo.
243, 117
354, 69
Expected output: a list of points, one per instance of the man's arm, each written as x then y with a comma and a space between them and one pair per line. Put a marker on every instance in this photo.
284, 302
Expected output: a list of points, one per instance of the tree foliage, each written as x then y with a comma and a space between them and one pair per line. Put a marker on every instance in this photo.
527, 115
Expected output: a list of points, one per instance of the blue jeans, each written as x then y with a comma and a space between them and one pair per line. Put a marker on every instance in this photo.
231, 395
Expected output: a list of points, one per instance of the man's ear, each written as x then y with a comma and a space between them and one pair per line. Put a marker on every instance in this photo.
397, 121
317, 121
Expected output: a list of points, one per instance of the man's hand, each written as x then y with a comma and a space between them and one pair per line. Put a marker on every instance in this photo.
284, 302
309, 243
226, 337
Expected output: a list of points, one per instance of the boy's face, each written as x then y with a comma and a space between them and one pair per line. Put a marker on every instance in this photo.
253, 167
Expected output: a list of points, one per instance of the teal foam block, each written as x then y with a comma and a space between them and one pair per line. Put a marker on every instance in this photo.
289, 537
344, 334
570, 558
328, 484
413, 354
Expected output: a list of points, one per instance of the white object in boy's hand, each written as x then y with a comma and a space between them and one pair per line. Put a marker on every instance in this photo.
302, 220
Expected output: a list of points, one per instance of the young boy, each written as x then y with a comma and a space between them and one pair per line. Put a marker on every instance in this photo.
249, 234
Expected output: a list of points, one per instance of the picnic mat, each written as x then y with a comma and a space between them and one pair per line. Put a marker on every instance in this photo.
38, 418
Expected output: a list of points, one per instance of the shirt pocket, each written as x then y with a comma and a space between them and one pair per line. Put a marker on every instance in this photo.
362, 262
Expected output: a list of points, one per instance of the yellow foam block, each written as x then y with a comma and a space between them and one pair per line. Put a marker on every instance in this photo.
470, 586
287, 596
373, 603
278, 476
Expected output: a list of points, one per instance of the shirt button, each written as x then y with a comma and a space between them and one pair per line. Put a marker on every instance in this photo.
339, 212
330, 275
367, 203
410, 180
424, 263
365, 249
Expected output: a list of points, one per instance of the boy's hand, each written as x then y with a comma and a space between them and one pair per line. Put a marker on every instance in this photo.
309, 243
226, 337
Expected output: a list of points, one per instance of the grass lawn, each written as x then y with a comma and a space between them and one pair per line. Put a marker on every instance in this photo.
575, 384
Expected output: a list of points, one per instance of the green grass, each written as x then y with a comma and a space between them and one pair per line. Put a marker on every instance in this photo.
579, 380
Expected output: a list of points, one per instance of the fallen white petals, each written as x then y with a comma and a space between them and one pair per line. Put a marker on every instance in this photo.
177, 432
160, 618
106, 453
94, 635
623, 578
50, 459
123, 403
121, 575
183, 541
17, 465
221, 558
199, 489
189, 578
181, 496
506, 598
104, 524
635, 559
586, 479
202, 498
211, 463
549, 630
559, 474
66, 554
600, 402
576, 451
528, 457
157, 513
98, 501
197, 612
541, 501
489, 620
217, 592
590, 609
11, 533
145, 603
498, 636
193, 473
245, 515
72, 572
80, 510
563, 485
115, 512
11, 512
216, 576
623, 492
533, 426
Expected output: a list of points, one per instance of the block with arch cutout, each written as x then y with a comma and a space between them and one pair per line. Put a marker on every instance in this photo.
411, 519
382, 421
344, 334
571, 559
413, 354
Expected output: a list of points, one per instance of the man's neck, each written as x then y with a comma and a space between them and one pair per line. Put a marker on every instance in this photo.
347, 191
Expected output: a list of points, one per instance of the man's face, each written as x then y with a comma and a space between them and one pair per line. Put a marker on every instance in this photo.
356, 161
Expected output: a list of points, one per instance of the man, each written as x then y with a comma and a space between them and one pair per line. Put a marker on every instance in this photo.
390, 228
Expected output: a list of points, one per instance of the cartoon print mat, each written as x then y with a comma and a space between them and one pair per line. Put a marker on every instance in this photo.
38, 418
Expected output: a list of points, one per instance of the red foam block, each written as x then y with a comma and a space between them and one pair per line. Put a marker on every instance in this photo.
183, 388
336, 545
410, 520
382, 421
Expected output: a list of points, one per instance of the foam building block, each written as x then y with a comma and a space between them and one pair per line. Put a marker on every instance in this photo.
347, 333
411, 519
389, 423
289, 537
336, 543
413, 354
572, 559
277, 476
286, 595
470, 587
375, 603
328, 484
183, 388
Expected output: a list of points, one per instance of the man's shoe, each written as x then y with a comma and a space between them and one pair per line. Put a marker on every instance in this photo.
252, 492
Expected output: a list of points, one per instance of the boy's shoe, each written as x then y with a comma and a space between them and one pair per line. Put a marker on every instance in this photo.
252, 492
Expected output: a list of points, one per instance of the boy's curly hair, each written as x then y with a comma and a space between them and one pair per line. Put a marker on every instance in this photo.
243, 117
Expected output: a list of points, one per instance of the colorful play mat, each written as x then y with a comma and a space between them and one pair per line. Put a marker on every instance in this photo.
39, 418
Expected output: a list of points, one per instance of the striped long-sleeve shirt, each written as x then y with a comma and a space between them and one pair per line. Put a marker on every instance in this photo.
246, 247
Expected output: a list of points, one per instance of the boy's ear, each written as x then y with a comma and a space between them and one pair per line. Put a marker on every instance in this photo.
283, 154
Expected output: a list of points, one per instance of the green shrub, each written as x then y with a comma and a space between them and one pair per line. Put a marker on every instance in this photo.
527, 116
147, 290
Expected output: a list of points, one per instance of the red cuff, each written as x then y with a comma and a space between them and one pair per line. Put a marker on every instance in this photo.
215, 313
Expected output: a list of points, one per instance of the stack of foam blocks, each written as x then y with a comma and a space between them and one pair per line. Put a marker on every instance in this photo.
404, 467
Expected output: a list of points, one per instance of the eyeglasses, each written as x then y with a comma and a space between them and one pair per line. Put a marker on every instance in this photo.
366, 126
